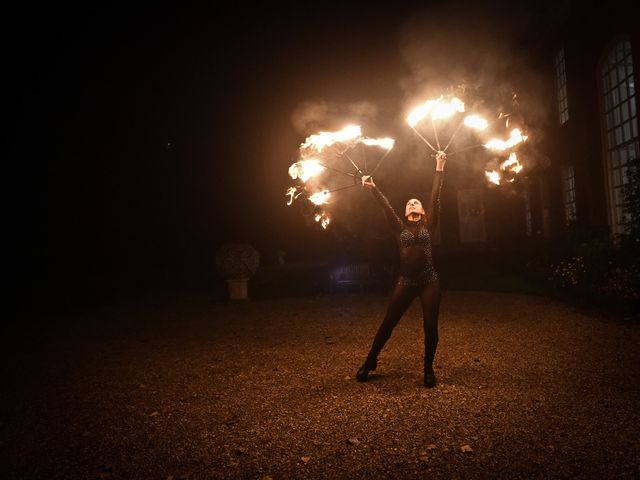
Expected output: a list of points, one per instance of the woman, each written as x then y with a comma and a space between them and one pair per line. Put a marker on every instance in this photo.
416, 276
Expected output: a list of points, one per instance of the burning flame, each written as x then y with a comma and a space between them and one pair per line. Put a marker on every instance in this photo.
293, 193
512, 164
386, 143
418, 114
290, 193
323, 219
438, 109
321, 197
515, 138
305, 169
511, 167
326, 139
446, 110
475, 121
493, 176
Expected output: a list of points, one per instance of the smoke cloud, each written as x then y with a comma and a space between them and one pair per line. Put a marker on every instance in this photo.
459, 49
478, 52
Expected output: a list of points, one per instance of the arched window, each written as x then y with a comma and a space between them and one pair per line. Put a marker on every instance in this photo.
620, 122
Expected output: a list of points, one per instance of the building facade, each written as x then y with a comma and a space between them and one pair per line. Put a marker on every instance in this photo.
592, 61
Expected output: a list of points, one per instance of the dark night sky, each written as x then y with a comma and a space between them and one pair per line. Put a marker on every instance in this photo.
150, 135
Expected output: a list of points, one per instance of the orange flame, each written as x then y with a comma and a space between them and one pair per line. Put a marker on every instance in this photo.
511, 167
293, 193
305, 169
320, 198
290, 193
438, 109
323, 219
512, 164
386, 143
476, 122
493, 176
515, 138
322, 140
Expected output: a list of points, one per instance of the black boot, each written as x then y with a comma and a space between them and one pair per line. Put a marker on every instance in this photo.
429, 377
363, 373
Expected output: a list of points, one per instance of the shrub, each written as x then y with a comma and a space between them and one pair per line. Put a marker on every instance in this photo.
569, 273
596, 269
621, 283
237, 261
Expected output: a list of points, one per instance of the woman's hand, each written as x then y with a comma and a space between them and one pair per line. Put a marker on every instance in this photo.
367, 181
441, 159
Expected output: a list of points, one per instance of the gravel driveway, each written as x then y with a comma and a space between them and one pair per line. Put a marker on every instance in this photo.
180, 388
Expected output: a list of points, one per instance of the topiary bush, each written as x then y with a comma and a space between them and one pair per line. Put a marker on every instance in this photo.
237, 261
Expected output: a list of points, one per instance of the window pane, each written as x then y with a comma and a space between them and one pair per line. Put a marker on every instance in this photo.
623, 155
615, 161
622, 74
625, 111
618, 195
623, 91
615, 96
617, 176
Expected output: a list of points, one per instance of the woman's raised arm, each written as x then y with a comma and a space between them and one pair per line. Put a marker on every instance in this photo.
433, 209
392, 217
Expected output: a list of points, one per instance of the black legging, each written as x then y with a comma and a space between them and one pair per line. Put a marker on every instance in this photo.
401, 298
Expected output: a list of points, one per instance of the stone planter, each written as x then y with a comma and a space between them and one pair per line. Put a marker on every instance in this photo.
237, 263
238, 289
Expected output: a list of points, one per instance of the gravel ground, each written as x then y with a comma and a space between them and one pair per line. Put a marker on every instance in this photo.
179, 388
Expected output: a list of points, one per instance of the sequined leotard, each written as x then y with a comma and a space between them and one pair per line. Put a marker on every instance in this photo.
414, 238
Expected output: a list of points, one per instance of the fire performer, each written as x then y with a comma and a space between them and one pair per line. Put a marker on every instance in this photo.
416, 277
